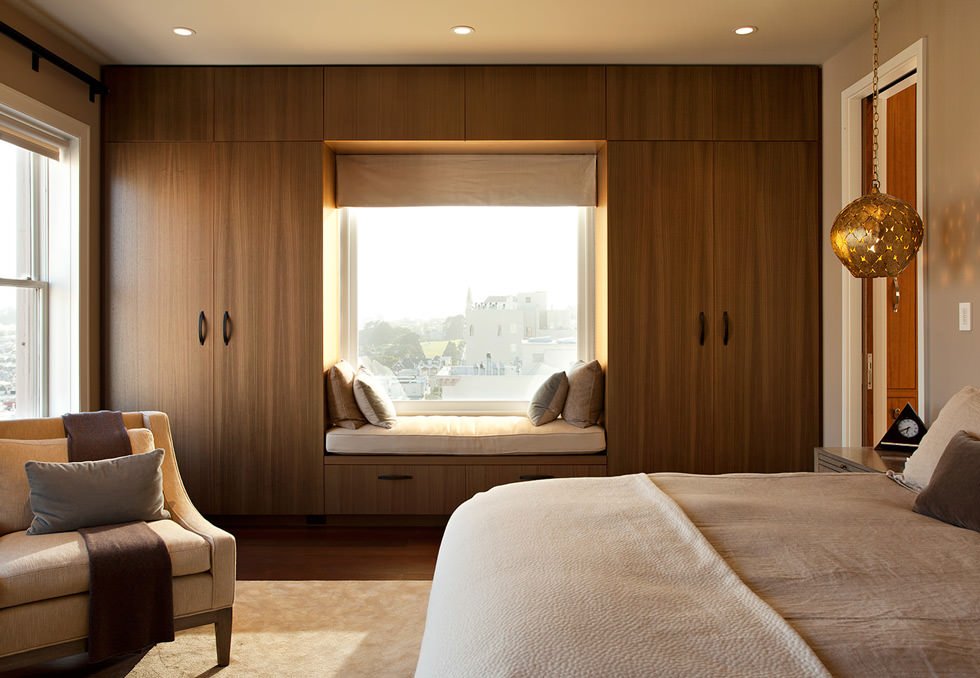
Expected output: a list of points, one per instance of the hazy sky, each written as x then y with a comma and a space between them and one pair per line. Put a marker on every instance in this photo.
416, 262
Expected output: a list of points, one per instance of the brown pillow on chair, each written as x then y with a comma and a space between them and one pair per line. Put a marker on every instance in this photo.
341, 404
953, 493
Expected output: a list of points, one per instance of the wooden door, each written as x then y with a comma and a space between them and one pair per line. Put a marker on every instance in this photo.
158, 281
658, 388
535, 102
767, 260
268, 376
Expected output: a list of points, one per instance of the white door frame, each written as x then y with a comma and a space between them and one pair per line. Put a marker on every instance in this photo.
908, 60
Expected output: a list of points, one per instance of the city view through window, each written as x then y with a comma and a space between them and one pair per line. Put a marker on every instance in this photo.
466, 303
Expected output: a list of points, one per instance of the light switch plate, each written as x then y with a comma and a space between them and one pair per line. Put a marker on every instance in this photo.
966, 316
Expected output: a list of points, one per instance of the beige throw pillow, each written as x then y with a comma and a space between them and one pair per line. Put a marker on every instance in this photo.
583, 406
341, 404
373, 400
15, 505
547, 402
960, 413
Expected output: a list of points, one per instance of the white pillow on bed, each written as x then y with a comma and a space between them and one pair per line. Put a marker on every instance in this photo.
960, 413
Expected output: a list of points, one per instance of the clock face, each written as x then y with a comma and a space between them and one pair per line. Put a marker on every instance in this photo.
908, 428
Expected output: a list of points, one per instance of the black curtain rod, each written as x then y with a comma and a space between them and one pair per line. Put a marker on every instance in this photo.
39, 52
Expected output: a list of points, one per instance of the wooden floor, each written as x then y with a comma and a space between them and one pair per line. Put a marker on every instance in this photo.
297, 553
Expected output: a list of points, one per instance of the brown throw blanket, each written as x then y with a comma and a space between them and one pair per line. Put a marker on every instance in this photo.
131, 603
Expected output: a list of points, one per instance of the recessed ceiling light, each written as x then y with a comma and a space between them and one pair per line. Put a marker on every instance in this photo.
184, 32
746, 30
463, 30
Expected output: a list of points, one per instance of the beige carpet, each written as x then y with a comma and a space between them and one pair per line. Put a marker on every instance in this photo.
306, 628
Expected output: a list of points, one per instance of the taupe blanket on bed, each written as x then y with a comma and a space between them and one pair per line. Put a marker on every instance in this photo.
130, 572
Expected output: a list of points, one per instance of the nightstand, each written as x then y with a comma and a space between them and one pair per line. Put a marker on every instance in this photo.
856, 460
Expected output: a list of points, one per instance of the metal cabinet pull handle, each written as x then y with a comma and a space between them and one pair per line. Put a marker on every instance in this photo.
724, 317
226, 328
394, 476
202, 328
535, 476
701, 334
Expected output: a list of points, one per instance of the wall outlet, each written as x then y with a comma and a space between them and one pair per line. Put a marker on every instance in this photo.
966, 316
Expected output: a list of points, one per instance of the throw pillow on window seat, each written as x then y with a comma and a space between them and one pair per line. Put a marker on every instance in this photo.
71, 495
373, 400
341, 404
583, 406
547, 402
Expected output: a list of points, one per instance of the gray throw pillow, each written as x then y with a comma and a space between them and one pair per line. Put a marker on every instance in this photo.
583, 406
952, 492
374, 401
547, 402
341, 405
68, 496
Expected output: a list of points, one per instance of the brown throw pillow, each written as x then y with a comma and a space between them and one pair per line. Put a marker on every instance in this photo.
583, 406
341, 404
373, 399
953, 493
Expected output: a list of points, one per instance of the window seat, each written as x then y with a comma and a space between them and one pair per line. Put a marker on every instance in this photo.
467, 436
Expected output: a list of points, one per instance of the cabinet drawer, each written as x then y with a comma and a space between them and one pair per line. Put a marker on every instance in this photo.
482, 478
393, 489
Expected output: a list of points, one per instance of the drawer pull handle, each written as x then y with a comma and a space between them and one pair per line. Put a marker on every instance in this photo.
844, 466
394, 476
535, 476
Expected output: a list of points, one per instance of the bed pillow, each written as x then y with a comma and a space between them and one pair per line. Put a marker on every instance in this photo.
341, 404
583, 406
373, 399
547, 402
15, 504
953, 494
70, 495
960, 413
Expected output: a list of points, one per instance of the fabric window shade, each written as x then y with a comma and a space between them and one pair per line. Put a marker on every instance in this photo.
29, 137
466, 180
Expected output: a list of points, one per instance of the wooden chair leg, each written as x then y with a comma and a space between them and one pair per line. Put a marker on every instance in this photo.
222, 636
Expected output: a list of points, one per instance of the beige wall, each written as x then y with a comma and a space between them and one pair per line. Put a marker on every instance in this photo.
57, 89
952, 189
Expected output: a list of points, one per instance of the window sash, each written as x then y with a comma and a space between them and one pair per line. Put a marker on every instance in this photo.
349, 332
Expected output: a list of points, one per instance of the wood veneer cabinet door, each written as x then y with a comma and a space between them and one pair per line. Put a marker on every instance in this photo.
658, 385
659, 102
268, 376
268, 103
767, 257
393, 102
159, 103
766, 103
158, 280
535, 102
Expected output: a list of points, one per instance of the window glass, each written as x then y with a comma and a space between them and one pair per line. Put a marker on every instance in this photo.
466, 303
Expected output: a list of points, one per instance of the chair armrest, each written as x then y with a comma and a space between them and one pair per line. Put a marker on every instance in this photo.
185, 514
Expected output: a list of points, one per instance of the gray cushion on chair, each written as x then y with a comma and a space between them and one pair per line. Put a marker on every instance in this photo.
547, 402
68, 496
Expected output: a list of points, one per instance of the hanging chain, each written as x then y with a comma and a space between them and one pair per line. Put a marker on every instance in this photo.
874, 103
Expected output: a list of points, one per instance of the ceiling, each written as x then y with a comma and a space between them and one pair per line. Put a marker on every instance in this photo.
417, 31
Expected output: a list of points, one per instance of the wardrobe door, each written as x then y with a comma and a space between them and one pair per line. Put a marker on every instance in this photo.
269, 359
766, 319
158, 283
658, 388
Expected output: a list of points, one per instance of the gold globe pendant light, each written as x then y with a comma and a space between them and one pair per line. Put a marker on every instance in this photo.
877, 235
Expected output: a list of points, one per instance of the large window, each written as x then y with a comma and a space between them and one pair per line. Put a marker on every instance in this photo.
42, 173
467, 308
23, 289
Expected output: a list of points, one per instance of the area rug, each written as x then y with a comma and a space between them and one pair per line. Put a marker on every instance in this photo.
306, 628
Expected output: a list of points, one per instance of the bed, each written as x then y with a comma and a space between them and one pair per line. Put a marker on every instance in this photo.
681, 575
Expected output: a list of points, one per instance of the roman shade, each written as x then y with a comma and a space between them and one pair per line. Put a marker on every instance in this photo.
22, 133
466, 180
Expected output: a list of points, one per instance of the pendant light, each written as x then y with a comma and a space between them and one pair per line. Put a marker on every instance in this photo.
877, 235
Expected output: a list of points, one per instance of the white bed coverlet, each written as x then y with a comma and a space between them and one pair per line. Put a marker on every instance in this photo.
595, 577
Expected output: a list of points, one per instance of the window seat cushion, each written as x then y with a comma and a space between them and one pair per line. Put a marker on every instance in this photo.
467, 435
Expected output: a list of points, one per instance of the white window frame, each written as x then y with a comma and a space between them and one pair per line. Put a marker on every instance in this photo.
349, 325
65, 266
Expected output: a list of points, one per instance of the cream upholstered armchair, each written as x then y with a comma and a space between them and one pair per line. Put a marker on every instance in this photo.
44, 578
